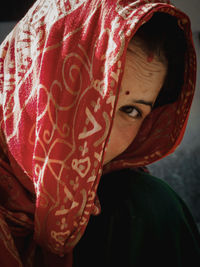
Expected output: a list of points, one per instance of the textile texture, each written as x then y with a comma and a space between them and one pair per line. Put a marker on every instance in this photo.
158, 230
60, 70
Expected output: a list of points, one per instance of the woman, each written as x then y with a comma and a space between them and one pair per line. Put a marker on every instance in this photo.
67, 116
142, 222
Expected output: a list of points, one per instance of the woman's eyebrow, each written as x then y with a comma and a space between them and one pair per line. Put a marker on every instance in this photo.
140, 101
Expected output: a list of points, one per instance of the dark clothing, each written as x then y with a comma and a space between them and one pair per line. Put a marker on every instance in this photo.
143, 223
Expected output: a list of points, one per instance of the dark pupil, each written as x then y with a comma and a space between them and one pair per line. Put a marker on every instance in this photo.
128, 109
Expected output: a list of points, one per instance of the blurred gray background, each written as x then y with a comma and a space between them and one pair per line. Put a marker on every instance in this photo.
181, 169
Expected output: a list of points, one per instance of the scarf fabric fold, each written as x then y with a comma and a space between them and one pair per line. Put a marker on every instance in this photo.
60, 70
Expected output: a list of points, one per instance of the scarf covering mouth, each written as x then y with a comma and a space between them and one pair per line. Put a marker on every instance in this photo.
60, 70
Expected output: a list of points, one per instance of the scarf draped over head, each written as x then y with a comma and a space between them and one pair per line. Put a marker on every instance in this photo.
60, 70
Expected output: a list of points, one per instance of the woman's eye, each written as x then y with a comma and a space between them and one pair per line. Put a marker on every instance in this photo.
131, 111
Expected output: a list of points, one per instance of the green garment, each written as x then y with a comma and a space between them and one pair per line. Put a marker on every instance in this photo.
143, 223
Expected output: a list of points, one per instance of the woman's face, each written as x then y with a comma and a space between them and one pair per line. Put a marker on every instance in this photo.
142, 80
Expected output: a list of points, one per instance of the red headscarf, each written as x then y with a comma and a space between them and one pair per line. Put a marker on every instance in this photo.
60, 69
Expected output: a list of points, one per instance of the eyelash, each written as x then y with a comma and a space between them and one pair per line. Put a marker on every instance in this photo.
126, 109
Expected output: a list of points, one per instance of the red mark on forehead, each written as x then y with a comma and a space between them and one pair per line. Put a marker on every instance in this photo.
150, 57
127, 92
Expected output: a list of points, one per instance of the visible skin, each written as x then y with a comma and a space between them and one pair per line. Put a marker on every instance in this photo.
141, 84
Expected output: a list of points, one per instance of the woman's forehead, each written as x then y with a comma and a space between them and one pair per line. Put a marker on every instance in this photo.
136, 43
137, 58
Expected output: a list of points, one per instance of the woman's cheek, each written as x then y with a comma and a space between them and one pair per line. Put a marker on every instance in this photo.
126, 135
121, 137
